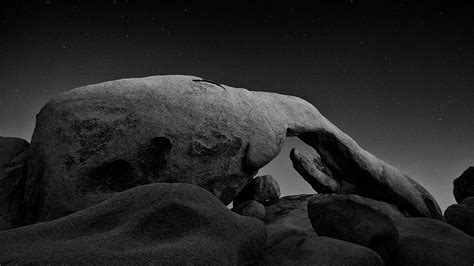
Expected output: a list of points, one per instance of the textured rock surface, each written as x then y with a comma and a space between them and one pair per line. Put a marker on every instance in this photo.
313, 250
287, 217
167, 224
261, 189
431, 242
250, 208
13, 175
461, 216
464, 185
340, 217
92, 142
313, 170
11, 148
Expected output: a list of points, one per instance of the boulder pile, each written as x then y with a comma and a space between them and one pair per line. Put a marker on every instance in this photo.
142, 171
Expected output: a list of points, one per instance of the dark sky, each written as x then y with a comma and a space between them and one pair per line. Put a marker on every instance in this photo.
397, 76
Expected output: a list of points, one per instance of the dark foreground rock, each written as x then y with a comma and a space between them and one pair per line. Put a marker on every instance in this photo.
13, 174
250, 208
261, 189
313, 250
464, 185
431, 242
461, 216
95, 141
341, 217
171, 224
288, 217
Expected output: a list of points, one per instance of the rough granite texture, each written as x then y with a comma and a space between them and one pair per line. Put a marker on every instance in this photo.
95, 141
166, 224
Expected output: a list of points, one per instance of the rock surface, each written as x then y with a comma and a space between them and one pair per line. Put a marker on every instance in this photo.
461, 216
13, 175
95, 141
261, 189
341, 217
464, 185
431, 242
287, 217
313, 170
251, 208
313, 250
170, 224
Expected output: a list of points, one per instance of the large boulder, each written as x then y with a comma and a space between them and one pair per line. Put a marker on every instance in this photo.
92, 142
250, 208
10, 148
341, 217
313, 250
13, 174
167, 224
287, 217
461, 216
430, 242
293, 241
464, 185
261, 189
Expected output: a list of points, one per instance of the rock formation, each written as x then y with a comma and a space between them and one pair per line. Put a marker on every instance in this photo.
461, 215
168, 224
464, 185
13, 175
431, 242
261, 189
340, 217
95, 141
250, 208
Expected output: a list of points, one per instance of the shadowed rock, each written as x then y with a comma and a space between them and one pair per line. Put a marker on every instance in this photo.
431, 242
341, 217
311, 167
461, 216
166, 224
13, 175
185, 129
250, 208
287, 217
261, 189
464, 185
313, 250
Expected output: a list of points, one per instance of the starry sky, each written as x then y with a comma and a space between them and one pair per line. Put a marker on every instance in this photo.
397, 76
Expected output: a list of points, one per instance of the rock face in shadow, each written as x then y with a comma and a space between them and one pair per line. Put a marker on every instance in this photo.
461, 216
95, 141
287, 217
313, 250
261, 189
431, 242
13, 174
340, 217
464, 185
292, 240
170, 224
250, 208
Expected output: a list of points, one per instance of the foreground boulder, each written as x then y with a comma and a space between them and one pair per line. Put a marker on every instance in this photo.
250, 208
461, 216
431, 242
313, 250
293, 241
13, 174
464, 185
92, 142
261, 189
170, 224
340, 217
288, 217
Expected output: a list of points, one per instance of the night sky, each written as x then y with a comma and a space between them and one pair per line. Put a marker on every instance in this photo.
397, 76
